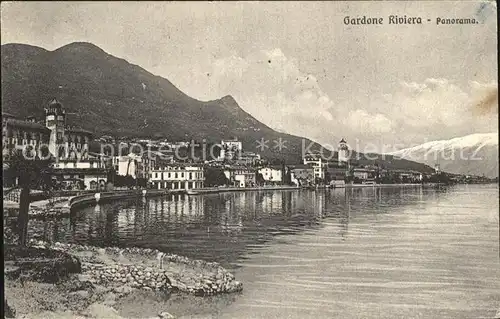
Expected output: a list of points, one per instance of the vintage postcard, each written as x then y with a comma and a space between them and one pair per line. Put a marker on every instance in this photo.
250, 159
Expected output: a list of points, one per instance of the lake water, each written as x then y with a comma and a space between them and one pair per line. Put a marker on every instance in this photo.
344, 253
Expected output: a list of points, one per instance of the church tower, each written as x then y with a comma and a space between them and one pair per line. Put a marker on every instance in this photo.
55, 121
343, 151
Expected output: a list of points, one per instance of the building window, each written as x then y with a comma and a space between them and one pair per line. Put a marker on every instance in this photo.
156, 175
182, 175
176, 175
190, 175
169, 175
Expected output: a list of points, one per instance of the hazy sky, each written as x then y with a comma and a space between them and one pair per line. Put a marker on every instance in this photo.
294, 65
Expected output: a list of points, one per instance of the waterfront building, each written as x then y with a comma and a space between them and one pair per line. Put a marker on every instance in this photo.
336, 173
67, 146
437, 169
343, 152
177, 176
80, 178
65, 142
74, 168
364, 174
137, 166
302, 175
406, 176
17, 134
321, 163
272, 174
241, 176
317, 162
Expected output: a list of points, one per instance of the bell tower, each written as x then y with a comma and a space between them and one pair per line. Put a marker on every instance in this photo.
55, 121
343, 151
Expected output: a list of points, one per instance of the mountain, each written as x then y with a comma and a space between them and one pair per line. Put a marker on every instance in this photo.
109, 96
475, 154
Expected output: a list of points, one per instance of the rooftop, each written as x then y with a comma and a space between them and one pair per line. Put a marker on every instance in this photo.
174, 165
69, 171
55, 103
26, 124
300, 166
6, 115
78, 130
276, 167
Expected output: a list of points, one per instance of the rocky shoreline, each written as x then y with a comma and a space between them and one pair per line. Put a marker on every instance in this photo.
148, 269
110, 282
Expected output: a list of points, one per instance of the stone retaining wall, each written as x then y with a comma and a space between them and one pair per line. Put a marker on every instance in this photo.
95, 198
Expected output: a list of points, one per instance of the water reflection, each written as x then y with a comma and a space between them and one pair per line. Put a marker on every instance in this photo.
219, 226
406, 252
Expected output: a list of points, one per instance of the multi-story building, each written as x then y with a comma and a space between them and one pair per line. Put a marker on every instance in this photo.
407, 176
73, 167
67, 146
343, 152
230, 149
241, 176
302, 175
336, 174
28, 136
65, 142
247, 158
177, 176
80, 178
437, 168
137, 166
317, 162
334, 163
364, 175
272, 174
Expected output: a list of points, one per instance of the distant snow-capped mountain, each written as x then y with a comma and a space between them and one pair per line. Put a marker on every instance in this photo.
475, 154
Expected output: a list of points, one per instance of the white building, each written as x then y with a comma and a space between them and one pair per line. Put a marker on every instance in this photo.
316, 161
91, 162
247, 158
302, 175
129, 165
365, 174
230, 148
74, 168
133, 165
177, 176
343, 151
241, 176
272, 174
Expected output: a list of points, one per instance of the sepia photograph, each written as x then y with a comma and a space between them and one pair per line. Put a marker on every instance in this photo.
250, 159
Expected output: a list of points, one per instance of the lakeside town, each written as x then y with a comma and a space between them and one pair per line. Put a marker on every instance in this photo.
76, 160
50, 168
250, 159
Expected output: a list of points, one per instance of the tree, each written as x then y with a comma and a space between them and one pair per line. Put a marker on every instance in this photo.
31, 174
328, 177
259, 179
215, 176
